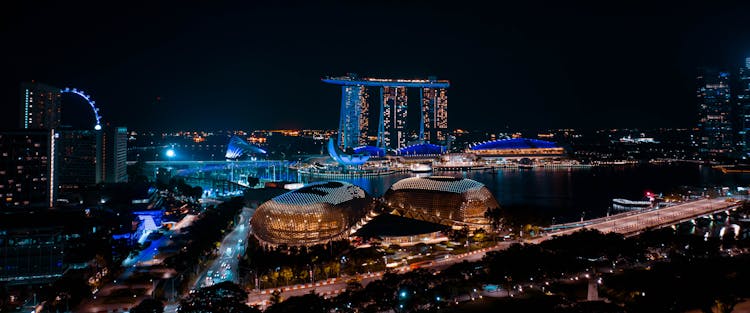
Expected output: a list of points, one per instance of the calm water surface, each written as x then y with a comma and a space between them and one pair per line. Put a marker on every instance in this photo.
565, 194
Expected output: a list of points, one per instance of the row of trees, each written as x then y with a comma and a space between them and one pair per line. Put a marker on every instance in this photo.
205, 234
283, 265
693, 274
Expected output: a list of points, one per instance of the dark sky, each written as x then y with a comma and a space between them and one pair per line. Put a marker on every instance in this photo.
244, 65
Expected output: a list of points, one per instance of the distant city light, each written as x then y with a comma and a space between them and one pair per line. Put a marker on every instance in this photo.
170, 153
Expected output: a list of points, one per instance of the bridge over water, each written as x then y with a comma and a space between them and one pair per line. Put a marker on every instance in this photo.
636, 222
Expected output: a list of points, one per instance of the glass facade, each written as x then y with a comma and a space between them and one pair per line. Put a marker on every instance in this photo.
714, 114
31, 253
395, 104
27, 173
78, 153
40, 106
392, 132
434, 114
114, 155
354, 118
743, 110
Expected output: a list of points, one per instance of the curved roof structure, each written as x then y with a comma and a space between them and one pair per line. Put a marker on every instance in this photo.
421, 149
313, 214
515, 143
370, 150
344, 158
438, 183
440, 199
238, 147
329, 192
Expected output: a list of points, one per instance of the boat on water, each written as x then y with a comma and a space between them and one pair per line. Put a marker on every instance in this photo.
420, 168
630, 205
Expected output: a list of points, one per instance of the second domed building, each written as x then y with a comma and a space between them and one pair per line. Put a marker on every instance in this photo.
313, 214
457, 202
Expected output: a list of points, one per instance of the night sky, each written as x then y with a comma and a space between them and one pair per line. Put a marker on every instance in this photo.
525, 66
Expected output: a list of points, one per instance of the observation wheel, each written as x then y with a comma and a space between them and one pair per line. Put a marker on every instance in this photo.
92, 103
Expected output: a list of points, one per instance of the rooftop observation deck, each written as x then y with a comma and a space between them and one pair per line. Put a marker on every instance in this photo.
384, 82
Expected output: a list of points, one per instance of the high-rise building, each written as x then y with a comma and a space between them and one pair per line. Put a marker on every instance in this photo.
743, 110
78, 156
114, 155
31, 253
434, 125
392, 129
27, 168
40, 106
354, 118
395, 105
714, 114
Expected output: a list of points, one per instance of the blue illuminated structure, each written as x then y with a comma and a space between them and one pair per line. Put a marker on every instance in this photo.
391, 128
91, 102
515, 143
421, 149
382, 82
370, 150
238, 147
344, 158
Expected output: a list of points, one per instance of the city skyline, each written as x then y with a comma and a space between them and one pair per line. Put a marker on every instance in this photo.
231, 67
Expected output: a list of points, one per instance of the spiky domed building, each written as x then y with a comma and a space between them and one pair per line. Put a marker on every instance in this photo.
457, 202
313, 214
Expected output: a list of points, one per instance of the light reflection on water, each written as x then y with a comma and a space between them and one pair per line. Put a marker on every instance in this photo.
567, 193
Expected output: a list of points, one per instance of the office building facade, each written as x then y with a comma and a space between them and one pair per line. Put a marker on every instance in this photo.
114, 155
27, 168
395, 108
79, 153
354, 117
434, 124
743, 110
716, 135
40, 106
392, 131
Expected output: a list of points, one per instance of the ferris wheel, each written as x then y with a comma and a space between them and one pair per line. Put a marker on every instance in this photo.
92, 103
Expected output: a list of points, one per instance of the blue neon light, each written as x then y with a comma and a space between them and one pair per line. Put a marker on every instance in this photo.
343, 158
370, 150
515, 143
421, 149
92, 103
238, 147
430, 84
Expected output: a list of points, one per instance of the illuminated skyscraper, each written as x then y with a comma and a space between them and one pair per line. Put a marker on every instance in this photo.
40, 106
395, 104
714, 114
743, 110
27, 168
78, 155
354, 118
114, 155
434, 125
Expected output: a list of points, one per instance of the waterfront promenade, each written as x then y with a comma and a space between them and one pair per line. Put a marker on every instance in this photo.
627, 223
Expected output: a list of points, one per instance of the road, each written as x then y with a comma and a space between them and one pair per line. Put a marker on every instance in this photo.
334, 286
632, 224
626, 223
226, 266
